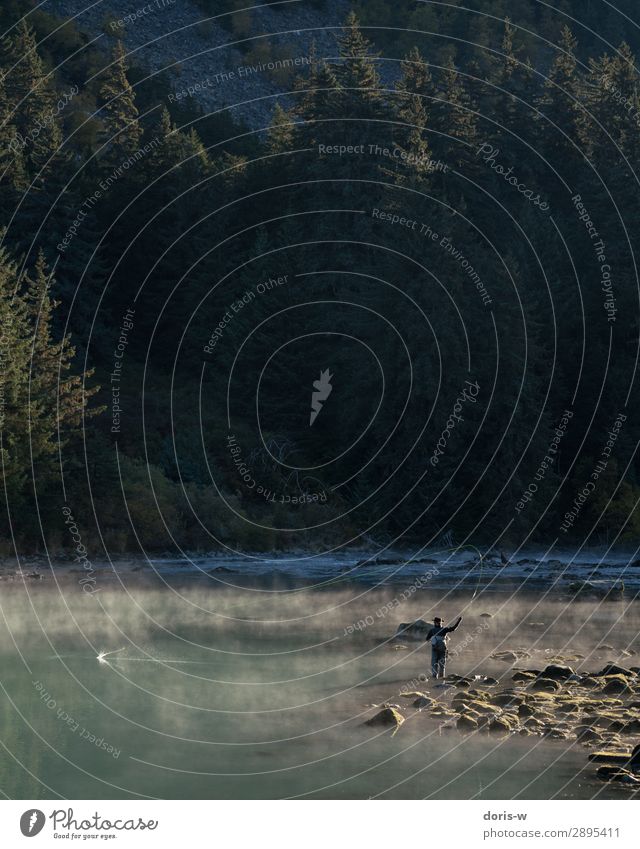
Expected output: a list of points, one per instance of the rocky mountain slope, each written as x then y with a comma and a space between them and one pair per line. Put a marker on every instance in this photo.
245, 66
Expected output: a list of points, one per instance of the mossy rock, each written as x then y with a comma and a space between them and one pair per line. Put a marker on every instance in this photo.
466, 723
555, 733
615, 684
499, 725
617, 774
505, 656
586, 734
614, 669
388, 716
590, 681
556, 672
545, 685
525, 675
479, 694
568, 707
506, 699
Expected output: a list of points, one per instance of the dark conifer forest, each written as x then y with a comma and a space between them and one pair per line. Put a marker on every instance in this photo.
405, 308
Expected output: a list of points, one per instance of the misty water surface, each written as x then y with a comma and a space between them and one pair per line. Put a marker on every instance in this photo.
246, 693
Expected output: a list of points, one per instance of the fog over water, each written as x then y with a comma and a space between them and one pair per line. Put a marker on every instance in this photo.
231, 692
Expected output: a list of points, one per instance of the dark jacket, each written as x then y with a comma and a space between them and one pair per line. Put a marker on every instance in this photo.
442, 631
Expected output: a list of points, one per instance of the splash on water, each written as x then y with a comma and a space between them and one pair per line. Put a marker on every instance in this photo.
101, 657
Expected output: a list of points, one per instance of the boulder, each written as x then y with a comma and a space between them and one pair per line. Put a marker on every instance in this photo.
505, 656
615, 684
631, 727
585, 733
615, 773
417, 630
525, 675
545, 685
568, 707
589, 681
614, 669
388, 716
475, 706
555, 733
557, 672
423, 702
507, 699
499, 725
466, 723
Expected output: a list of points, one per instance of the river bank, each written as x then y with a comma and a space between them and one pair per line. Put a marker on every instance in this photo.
593, 574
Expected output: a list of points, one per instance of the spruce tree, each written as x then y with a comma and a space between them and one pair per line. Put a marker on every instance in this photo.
121, 129
557, 101
30, 91
357, 73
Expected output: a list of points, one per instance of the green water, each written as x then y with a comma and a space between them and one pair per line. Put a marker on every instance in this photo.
246, 694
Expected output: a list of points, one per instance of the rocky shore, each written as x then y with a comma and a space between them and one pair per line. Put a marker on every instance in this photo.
597, 710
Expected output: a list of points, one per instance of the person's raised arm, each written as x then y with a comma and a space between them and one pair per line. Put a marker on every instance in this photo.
457, 622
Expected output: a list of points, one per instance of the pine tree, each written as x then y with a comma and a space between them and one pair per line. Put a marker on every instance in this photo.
454, 119
30, 91
411, 137
12, 165
281, 133
122, 131
14, 358
357, 73
557, 102
57, 398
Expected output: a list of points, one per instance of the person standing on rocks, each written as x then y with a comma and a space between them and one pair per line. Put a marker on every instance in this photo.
437, 636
